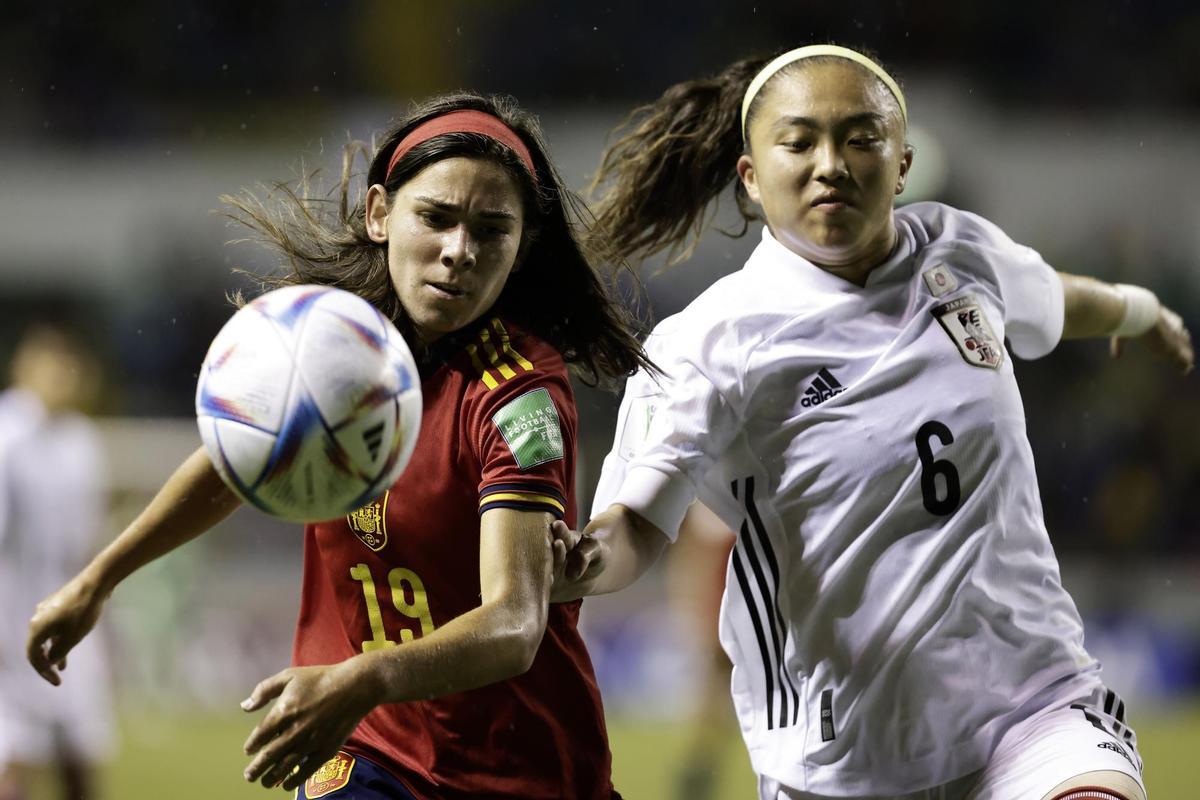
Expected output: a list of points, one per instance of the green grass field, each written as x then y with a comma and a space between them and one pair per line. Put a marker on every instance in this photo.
199, 757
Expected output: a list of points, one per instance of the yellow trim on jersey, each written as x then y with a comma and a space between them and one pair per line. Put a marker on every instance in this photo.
500, 354
488, 381
522, 497
494, 357
508, 348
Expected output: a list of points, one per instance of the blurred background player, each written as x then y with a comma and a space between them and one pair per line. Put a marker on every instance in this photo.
847, 402
428, 662
53, 510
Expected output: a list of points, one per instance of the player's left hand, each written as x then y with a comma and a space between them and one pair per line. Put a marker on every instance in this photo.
316, 710
1169, 339
577, 559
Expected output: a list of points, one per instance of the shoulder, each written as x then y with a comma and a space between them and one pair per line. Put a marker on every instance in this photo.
940, 226
504, 363
500, 352
966, 241
726, 321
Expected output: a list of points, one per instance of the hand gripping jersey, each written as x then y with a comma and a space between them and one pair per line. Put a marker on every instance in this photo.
893, 602
498, 431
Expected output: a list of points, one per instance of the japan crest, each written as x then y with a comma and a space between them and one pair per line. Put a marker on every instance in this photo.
964, 321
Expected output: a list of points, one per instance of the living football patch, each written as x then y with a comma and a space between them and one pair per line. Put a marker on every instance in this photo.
530, 426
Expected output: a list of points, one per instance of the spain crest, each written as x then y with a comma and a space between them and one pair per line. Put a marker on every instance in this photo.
369, 523
964, 321
332, 775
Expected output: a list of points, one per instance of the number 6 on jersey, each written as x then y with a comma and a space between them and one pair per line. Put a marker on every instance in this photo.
931, 468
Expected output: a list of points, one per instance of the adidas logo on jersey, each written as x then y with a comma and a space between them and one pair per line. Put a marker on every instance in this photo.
823, 387
1116, 748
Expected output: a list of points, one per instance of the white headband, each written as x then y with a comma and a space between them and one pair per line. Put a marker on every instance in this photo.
812, 51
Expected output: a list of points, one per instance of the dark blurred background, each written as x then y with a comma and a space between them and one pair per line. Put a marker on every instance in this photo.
1075, 127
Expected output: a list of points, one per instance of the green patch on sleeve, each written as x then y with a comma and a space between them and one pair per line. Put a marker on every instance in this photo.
530, 426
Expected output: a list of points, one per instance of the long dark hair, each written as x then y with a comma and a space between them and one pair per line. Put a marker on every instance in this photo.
556, 294
671, 159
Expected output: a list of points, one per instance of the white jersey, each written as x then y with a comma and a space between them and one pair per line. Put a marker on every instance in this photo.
51, 509
893, 603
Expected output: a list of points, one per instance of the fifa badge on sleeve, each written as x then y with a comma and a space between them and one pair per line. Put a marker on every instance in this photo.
964, 322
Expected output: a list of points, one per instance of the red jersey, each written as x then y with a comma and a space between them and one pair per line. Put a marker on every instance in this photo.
498, 430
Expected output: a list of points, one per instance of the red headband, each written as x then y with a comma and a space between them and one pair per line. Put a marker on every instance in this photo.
465, 121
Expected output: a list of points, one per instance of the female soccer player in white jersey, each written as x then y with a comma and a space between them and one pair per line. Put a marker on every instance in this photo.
846, 402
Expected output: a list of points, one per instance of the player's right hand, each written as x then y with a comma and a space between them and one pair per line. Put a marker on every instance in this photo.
59, 623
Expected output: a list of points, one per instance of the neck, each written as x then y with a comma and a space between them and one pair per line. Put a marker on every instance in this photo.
852, 264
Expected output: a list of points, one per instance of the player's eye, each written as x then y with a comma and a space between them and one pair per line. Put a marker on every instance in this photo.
798, 145
491, 231
435, 219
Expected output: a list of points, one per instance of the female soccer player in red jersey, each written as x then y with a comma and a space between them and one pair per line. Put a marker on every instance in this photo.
465, 240
847, 403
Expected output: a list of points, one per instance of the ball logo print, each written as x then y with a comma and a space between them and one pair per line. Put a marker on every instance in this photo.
309, 403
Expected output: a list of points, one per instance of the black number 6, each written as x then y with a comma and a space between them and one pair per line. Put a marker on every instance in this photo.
931, 468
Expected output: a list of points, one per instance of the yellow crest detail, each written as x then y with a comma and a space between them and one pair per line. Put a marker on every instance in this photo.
369, 523
333, 775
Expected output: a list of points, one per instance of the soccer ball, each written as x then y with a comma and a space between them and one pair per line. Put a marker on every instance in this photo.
309, 403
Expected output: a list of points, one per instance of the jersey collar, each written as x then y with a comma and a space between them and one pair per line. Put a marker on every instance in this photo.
449, 345
773, 257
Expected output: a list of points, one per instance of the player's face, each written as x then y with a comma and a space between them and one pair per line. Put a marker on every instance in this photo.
453, 233
827, 157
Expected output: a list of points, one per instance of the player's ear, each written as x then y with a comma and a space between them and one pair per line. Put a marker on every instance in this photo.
749, 178
905, 165
377, 213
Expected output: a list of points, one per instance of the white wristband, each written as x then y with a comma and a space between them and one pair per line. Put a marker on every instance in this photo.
1141, 310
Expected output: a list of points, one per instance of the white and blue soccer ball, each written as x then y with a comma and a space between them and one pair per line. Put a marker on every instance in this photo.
309, 403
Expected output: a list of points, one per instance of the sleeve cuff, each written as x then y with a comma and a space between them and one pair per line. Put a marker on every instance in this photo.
522, 497
661, 499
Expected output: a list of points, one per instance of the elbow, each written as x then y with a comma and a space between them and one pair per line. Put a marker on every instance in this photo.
517, 648
515, 642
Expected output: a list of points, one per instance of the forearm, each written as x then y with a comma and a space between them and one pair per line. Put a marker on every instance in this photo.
630, 546
192, 500
487, 644
1091, 308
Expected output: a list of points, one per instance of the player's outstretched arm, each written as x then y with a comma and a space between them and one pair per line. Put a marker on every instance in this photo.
191, 501
318, 707
613, 551
1093, 308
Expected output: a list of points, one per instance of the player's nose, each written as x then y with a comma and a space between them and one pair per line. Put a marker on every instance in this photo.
829, 163
458, 248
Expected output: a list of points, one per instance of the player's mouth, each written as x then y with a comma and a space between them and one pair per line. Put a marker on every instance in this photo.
832, 201
448, 291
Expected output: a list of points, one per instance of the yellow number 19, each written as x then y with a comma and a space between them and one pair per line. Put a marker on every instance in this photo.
399, 579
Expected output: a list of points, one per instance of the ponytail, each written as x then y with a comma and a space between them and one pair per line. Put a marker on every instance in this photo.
676, 156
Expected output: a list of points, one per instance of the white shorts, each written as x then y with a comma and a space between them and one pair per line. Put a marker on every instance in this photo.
1088, 734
